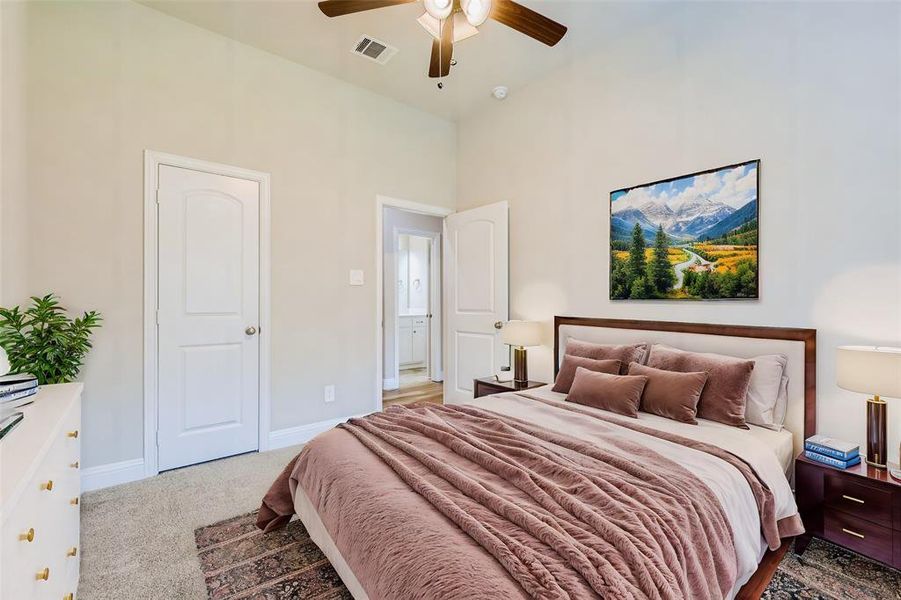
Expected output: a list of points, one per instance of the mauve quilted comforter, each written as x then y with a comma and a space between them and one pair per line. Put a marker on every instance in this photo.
460, 502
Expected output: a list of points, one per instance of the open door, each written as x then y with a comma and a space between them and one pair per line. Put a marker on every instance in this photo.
476, 281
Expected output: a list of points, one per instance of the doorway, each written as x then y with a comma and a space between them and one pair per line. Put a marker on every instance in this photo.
411, 338
206, 311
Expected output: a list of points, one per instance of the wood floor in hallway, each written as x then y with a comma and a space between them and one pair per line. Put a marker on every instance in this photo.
428, 391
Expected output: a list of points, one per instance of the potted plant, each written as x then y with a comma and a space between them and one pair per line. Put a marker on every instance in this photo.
44, 341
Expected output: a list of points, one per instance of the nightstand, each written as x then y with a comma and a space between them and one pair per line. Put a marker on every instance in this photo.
483, 386
858, 508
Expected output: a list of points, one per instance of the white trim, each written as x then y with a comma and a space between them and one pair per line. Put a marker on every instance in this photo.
382, 202
152, 161
291, 436
102, 476
390, 384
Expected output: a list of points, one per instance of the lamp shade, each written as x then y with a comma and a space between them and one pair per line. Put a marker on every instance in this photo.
521, 333
869, 370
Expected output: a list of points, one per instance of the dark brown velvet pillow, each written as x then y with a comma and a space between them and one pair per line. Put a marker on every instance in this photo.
670, 394
724, 397
625, 354
617, 393
568, 370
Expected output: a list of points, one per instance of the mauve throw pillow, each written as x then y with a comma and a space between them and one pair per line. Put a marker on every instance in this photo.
568, 370
670, 394
617, 393
724, 397
625, 354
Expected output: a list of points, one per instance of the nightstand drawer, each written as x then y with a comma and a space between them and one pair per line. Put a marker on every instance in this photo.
861, 536
859, 500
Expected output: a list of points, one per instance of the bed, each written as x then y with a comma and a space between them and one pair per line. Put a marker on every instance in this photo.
525, 495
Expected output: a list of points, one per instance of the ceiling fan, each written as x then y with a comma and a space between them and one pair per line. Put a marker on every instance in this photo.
450, 21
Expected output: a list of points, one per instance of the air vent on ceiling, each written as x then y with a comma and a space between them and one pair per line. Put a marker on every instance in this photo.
373, 49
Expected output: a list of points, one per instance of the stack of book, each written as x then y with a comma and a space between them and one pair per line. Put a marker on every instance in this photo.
17, 390
831, 451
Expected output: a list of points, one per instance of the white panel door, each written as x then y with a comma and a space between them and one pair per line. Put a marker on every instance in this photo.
476, 276
208, 319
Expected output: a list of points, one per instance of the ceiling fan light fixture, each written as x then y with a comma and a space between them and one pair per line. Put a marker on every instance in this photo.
439, 9
462, 28
476, 11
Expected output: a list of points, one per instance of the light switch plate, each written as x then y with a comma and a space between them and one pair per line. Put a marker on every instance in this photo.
356, 277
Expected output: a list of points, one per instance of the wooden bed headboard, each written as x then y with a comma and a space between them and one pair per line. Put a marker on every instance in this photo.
801, 343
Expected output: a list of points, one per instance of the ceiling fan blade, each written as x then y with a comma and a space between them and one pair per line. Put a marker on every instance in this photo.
337, 8
527, 21
442, 52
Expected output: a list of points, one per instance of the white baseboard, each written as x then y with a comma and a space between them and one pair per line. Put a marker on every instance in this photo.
101, 476
291, 436
390, 384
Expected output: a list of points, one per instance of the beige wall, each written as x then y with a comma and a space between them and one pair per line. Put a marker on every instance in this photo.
810, 89
107, 80
13, 215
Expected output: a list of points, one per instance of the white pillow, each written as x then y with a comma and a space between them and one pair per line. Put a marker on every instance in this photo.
781, 406
765, 390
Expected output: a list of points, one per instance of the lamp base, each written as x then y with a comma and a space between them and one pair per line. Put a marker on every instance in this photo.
520, 367
877, 448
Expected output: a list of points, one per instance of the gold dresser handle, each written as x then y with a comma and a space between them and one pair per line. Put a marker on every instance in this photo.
69, 596
854, 533
47, 486
72, 551
43, 575
74, 501
28, 536
74, 465
852, 499
72, 434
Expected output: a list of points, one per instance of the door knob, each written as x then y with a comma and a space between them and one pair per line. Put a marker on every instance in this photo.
250, 330
498, 324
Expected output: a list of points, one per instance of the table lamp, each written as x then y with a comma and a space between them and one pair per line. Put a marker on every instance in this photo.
520, 334
872, 370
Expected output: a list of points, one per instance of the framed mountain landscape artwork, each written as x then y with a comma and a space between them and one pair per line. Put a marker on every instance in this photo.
687, 238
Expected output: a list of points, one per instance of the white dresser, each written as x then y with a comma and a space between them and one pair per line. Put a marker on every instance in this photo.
39, 498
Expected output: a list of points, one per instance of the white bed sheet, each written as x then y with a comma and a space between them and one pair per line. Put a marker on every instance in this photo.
725, 436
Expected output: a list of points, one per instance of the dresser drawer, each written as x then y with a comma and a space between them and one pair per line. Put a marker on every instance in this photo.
859, 535
859, 500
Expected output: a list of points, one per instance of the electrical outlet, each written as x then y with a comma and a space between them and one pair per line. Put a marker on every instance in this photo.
329, 393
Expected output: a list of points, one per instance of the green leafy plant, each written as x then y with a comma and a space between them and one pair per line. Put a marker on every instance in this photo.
44, 341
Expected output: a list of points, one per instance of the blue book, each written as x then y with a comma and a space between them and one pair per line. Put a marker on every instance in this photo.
832, 462
832, 447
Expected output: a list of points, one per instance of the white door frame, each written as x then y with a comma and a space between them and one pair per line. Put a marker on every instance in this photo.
152, 161
434, 298
381, 203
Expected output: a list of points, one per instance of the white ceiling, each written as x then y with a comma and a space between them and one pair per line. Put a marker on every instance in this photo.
498, 55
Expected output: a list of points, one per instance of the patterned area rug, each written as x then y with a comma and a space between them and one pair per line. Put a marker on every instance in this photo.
239, 562
828, 572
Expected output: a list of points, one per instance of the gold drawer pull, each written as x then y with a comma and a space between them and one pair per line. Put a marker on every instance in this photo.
852, 498
72, 434
854, 533
69, 596
74, 465
74, 501
43, 575
47, 486
28, 536
72, 551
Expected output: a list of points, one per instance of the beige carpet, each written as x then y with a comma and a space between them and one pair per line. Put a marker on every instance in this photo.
137, 539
